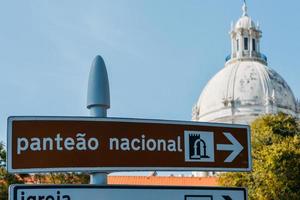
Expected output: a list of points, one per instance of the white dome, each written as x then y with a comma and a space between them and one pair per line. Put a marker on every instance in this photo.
245, 22
243, 90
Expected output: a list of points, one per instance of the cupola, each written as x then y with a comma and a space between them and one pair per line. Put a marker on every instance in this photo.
245, 39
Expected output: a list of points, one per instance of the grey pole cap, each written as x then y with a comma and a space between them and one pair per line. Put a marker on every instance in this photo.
98, 86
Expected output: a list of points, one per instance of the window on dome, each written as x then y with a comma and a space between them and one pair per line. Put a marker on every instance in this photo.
237, 45
253, 44
246, 43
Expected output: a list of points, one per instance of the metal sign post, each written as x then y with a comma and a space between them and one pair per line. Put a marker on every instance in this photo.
98, 101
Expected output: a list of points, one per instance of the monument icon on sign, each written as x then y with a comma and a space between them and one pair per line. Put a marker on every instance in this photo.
199, 146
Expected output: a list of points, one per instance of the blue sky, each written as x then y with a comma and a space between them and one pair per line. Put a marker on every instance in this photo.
159, 53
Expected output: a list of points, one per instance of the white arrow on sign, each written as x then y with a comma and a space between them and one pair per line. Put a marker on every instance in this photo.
235, 147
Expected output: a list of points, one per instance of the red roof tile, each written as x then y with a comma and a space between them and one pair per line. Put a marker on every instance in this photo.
163, 180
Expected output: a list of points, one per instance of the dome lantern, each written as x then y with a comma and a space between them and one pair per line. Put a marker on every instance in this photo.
245, 39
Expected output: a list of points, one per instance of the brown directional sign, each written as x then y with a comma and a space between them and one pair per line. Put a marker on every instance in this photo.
47, 144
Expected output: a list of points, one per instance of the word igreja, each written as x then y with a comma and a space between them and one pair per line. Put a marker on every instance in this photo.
57, 196
57, 143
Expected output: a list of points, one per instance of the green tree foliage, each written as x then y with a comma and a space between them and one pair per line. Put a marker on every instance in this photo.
276, 160
56, 178
61, 178
69, 178
6, 179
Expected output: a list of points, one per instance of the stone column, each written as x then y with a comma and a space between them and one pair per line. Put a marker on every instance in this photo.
250, 44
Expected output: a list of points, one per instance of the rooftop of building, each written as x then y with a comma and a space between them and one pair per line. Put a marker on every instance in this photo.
163, 180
